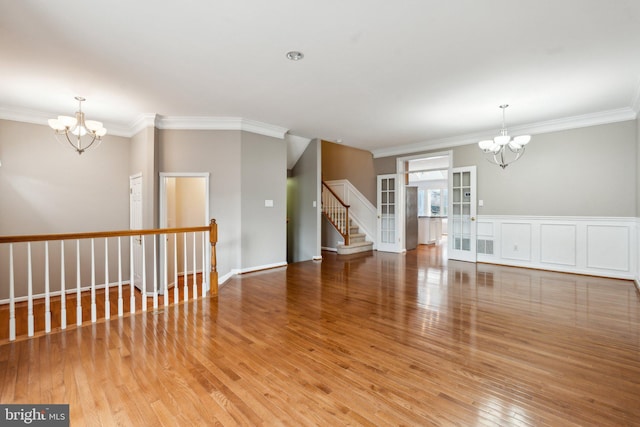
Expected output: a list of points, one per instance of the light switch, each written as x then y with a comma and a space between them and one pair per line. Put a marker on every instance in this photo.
314, 204
481, 203
268, 203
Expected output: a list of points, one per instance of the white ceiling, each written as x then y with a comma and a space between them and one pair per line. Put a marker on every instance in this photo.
378, 75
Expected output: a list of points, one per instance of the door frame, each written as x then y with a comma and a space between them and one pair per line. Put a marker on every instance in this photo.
462, 255
401, 172
162, 208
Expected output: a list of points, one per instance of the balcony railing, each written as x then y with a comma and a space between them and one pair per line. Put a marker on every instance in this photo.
155, 261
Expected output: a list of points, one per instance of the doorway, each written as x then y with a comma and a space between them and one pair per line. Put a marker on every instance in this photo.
424, 197
184, 202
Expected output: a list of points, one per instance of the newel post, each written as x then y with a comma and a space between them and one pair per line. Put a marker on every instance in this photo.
213, 274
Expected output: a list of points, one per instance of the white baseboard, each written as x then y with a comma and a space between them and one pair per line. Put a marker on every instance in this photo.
329, 249
261, 267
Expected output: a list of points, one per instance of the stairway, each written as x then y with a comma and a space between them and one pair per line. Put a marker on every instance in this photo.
337, 212
357, 242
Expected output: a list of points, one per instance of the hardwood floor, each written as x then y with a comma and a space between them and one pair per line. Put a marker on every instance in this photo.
383, 339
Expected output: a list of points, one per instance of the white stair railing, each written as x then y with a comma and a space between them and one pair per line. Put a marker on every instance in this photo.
21, 257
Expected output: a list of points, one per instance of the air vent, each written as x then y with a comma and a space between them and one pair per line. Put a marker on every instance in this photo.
485, 247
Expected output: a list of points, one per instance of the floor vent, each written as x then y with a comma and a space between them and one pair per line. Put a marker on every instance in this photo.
485, 247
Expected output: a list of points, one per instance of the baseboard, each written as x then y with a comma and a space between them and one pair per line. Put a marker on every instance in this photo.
637, 283
58, 293
329, 249
229, 275
261, 267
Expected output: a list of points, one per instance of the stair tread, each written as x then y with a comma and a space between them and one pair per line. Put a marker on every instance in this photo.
356, 244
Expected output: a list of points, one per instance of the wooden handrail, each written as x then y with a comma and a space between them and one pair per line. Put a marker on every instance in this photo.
346, 233
324, 184
98, 234
212, 228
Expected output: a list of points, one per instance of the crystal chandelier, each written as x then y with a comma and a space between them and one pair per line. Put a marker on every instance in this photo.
81, 134
502, 150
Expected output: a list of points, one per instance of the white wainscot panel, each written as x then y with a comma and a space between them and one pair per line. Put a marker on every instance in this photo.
515, 241
558, 244
608, 247
485, 229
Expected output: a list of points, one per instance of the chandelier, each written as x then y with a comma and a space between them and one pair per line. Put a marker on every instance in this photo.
81, 134
502, 150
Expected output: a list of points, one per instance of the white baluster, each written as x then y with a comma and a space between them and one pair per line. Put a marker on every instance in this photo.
185, 273
120, 300
107, 305
63, 290
94, 311
195, 258
132, 297
78, 296
203, 280
30, 318
175, 268
166, 271
12, 297
155, 271
144, 275
47, 300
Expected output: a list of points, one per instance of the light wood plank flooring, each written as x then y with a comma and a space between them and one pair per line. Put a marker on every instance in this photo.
383, 339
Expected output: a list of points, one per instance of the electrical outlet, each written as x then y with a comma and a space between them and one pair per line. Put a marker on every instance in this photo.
515, 248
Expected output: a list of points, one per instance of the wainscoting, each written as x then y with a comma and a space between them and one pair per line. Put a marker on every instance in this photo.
599, 246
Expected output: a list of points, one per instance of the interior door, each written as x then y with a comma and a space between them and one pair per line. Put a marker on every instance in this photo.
135, 223
462, 214
388, 214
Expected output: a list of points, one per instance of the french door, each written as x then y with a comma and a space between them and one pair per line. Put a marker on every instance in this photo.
462, 214
388, 214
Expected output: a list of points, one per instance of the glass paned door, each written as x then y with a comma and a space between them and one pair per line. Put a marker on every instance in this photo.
388, 235
462, 214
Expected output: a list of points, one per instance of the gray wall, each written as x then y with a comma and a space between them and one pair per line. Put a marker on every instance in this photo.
144, 159
46, 188
219, 153
304, 221
263, 177
580, 172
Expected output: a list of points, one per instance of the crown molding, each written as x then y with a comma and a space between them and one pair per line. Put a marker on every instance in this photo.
143, 122
41, 118
221, 123
556, 125
160, 122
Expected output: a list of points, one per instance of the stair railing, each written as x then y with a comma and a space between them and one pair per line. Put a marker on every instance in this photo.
126, 239
336, 211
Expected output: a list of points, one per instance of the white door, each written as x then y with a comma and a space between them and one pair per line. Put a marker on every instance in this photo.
135, 223
462, 214
388, 214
